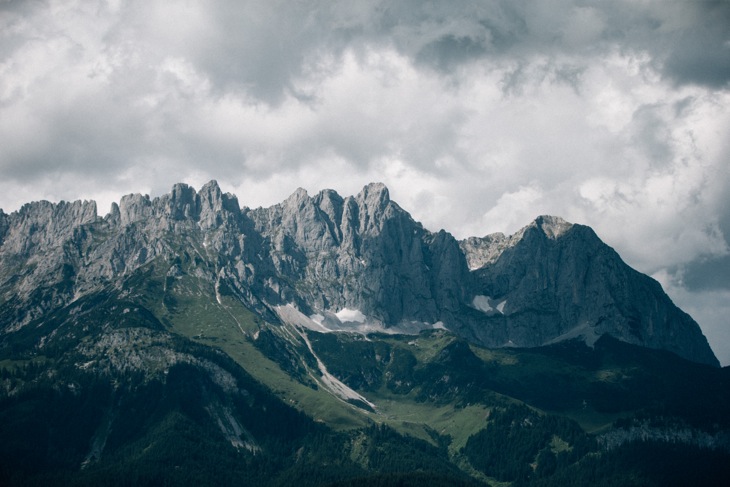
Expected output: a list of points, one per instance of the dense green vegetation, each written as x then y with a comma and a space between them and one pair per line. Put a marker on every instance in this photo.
155, 384
520, 445
162, 434
646, 464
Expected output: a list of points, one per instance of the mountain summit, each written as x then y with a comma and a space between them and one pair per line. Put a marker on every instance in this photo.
329, 340
358, 263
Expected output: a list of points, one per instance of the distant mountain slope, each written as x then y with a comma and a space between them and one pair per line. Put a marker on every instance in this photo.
183, 340
553, 280
354, 262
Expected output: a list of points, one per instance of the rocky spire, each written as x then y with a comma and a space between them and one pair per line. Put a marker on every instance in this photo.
134, 208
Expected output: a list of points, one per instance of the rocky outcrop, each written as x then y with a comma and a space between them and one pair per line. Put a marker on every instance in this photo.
3, 226
363, 253
39, 226
555, 280
361, 256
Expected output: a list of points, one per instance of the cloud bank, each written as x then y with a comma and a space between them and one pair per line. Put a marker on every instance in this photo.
479, 116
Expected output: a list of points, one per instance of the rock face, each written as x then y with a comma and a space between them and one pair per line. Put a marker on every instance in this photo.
361, 256
364, 253
553, 280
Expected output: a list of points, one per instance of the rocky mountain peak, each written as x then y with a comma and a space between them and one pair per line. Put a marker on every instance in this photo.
134, 208
180, 204
551, 280
71, 213
210, 201
374, 194
298, 199
552, 226
375, 207
332, 205
213, 203
481, 251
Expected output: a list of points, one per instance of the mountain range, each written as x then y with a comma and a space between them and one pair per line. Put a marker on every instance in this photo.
332, 340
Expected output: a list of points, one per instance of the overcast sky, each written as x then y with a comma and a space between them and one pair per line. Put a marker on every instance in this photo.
478, 115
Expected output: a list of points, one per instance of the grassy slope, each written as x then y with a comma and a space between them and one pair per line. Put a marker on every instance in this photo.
594, 388
186, 306
218, 325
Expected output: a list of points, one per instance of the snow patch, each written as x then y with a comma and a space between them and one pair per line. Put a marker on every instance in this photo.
350, 321
347, 315
439, 325
488, 305
482, 303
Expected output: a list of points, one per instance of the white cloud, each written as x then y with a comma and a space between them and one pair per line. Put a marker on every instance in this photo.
513, 210
478, 116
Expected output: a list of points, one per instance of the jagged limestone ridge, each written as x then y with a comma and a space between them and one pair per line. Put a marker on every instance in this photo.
363, 252
549, 281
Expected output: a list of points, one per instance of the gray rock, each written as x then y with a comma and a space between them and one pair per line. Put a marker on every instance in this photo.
364, 253
134, 208
550, 281
560, 281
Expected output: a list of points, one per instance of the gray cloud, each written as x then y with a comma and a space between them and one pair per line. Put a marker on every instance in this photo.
478, 115
701, 53
258, 47
688, 41
708, 274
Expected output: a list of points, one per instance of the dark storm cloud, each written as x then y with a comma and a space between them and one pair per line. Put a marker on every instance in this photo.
261, 48
449, 50
713, 272
688, 40
708, 274
701, 53
445, 35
